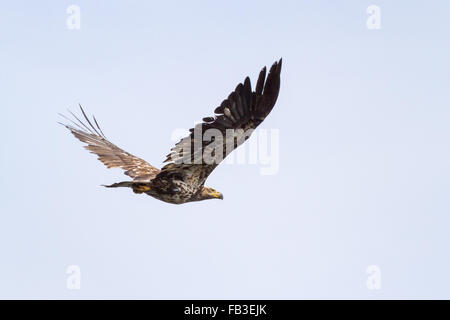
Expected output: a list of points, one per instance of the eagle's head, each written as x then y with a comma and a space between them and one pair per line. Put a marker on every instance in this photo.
209, 193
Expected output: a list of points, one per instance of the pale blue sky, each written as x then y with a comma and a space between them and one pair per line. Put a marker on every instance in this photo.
364, 174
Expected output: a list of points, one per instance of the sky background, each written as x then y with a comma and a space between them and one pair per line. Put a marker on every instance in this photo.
364, 177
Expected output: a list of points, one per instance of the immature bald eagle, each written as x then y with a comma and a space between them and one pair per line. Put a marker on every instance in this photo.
183, 178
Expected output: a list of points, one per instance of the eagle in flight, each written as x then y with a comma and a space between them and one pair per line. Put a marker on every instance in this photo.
182, 179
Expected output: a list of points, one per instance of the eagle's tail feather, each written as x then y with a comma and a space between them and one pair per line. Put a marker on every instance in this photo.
138, 187
128, 184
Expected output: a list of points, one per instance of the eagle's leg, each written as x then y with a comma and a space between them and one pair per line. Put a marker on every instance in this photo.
140, 188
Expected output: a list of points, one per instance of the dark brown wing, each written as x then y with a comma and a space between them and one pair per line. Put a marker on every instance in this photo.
242, 112
108, 153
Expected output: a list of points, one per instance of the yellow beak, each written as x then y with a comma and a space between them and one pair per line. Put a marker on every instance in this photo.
218, 195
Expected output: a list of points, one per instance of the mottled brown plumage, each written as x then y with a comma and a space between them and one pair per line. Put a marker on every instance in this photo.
183, 178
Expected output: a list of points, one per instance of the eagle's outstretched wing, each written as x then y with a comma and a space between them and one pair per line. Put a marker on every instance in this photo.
108, 153
243, 109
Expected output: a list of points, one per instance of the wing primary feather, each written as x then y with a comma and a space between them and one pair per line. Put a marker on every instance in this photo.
96, 123
260, 82
68, 119
81, 122
279, 65
87, 119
